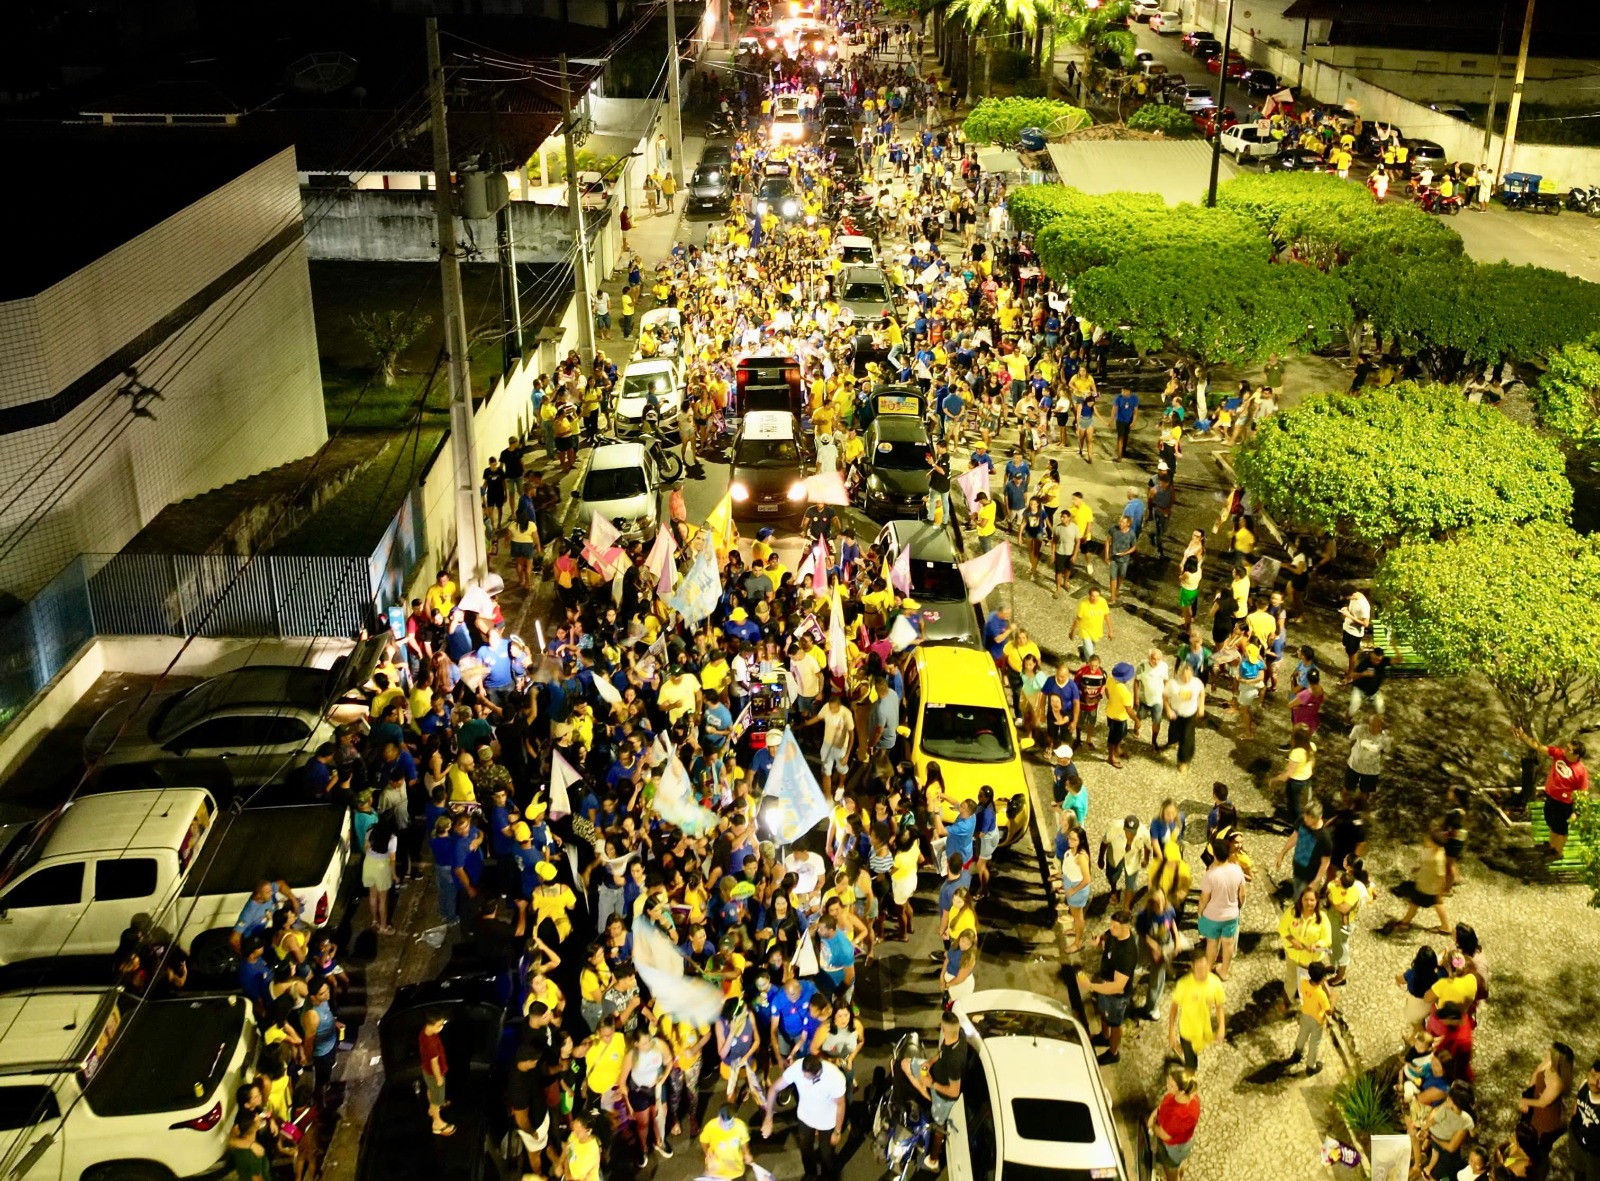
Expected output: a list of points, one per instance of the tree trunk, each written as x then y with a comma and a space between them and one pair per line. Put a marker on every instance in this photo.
1050, 65
988, 70
387, 364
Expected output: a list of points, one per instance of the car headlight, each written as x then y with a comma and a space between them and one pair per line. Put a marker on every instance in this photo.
738, 492
790, 209
875, 482
761, 208
811, 219
797, 492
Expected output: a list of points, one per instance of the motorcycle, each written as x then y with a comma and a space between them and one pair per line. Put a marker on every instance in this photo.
1584, 199
1433, 201
902, 1123
668, 462
720, 128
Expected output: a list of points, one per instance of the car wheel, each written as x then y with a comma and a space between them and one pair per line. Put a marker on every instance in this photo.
130, 1170
212, 959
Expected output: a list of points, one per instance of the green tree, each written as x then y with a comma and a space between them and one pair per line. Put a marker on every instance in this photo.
1171, 122
387, 335
1097, 29
1001, 120
1404, 461
1102, 230
1216, 306
1567, 396
994, 21
1519, 604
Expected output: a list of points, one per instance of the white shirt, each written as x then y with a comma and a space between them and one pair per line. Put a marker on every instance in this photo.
1357, 614
1185, 698
1118, 847
1367, 750
1153, 682
818, 1106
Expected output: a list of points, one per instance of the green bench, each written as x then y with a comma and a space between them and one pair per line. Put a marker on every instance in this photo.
1403, 658
1570, 865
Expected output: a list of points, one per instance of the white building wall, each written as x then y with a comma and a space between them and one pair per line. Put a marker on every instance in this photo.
240, 383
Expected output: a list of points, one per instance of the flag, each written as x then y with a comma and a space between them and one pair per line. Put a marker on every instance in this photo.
741, 725
827, 488
606, 690
686, 996
699, 591
562, 777
885, 573
838, 657
602, 533
902, 634
900, 573
675, 803
601, 550
616, 589
819, 567
720, 525
660, 561
974, 482
792, 804
982, 574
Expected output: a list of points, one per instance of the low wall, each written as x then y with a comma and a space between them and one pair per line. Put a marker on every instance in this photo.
1560, 165
396, 225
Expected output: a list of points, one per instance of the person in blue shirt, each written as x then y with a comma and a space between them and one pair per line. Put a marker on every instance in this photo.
960, 833
505, 662
987, 832
1134, 510
742, 627
255, 974
836, 955
950, 411
255, 917
445, 868
981, 457
997, 632
625, 769
1063, 703
1125, 408
498, 818
792, 1023
956, 878
718, 721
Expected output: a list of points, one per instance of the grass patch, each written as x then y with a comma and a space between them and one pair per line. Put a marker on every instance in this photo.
352, 522
1544, 123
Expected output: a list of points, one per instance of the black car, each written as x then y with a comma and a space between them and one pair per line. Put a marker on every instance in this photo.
1261, 82
397, 1143
1206, 50
846, 161
711, 188
768, 467
1295, 160
776, 195
936, 583
895, 469
834, 108
716, 156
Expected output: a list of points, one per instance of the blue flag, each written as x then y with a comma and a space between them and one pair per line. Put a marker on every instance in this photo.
793, 804
701, 588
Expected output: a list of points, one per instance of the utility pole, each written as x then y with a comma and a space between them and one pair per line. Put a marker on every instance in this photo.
1494, 85
1305, 40
580, 234
510, 296
1222, 102
1508, 146
470, 556
674, 99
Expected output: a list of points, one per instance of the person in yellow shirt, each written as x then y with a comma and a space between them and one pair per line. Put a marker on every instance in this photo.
551, 901
582, 1154
442, 595
1018, 649
1316, 1002
602, 1058
1083, 517
1306, 936
983, 522
1197, 1015
1092, 623
726, 1144
1120, 711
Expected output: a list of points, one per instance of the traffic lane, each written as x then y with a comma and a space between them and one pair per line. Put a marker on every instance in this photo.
1169, 51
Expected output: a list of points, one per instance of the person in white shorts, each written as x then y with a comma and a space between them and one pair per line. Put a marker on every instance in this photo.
838, 736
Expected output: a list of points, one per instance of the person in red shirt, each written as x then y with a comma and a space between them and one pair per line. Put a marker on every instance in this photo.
430, 1056
1568, 776
1173, 1121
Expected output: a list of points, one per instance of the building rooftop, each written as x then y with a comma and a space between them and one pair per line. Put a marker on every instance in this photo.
146, 181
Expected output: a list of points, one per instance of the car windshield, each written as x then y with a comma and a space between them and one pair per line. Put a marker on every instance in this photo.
772, 190
901, 455
639, 385
866, 291
857, 254
1022, 1023
1012, 1171
966, 733
613, 483
937, 582
707, 177
767, 453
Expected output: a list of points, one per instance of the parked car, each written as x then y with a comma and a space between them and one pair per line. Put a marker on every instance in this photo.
1033, 1103
1170, 84
715, 155
1143, 10
1168, 22
1205, 47
1140, 56
74, 879
649, 382
1425, 151
262, 719
622, 481
1193, 38
778, 196
788, 120
96, 1084
1237, 66
1152, 69
1295, 160
1196, 100
895, 470
1246, 141
936, 555
1209, 122
1261, 82
711, 188
1454, 110
856, 250
769, 462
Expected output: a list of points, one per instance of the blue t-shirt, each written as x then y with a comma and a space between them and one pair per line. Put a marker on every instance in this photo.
720, 716
794, 1016
841, 953
1067, 694
993, 627
1125, 405
958, 837
255, 979
1134, 511
947, 891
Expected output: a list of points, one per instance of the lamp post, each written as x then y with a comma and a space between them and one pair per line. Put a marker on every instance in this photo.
1222, 99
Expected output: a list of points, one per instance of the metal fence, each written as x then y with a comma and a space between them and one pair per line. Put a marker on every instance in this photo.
37, 642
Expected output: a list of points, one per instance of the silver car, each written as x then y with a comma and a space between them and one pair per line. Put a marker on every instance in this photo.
622, 482
260, 721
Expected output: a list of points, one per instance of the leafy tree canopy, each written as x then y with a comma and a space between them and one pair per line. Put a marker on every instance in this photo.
1217, 306
1404, 461
1567, 397
1001, 120
1518, 603
1172, 122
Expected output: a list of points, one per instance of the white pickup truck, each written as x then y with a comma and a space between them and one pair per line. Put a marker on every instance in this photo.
98, 1086
71, 883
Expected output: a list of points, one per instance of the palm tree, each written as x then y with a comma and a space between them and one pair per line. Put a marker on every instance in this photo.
1096, 28
994, 20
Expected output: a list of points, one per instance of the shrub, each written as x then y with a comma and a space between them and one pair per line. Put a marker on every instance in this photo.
1567, 396
1001, 120
1366, 1105
1164, 120
1405, 461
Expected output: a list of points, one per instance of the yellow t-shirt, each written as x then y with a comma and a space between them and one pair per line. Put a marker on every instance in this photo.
1460, 990
984, 520
1262, 626
1092, 619
461, 789
1244, 541
583, 1158
1119, 701
905, 865
1240, 588
962, 920
554, 906
725, 1148
592, 985
1016, 653
1083, 517
714, 675
603, 1064
1315, 1002
441, 598
1195, 1002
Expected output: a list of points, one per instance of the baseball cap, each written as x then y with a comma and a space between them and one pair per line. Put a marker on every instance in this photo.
546, 871
486, 751
1063, 752
521, 832
1130, 822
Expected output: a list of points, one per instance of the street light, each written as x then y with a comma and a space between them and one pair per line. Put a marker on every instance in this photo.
1222, 102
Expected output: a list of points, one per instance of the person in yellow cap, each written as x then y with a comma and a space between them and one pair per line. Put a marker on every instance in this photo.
552, 902
1252, 675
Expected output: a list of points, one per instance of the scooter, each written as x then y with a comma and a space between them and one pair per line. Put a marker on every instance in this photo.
1584, 199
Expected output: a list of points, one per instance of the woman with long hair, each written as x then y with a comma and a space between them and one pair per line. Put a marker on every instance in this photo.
1306, 936
1173, 1121
960, 962
1543, 1105
1076, 881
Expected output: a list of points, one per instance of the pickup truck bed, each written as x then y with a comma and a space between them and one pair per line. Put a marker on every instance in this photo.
171, 1055
293, 843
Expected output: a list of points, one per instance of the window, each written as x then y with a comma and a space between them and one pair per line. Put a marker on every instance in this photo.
616, 483
26, 1105
240, 734
759, 453
937, 581
1059, 1120
127, 877
966, 733
56, 885
980, 1120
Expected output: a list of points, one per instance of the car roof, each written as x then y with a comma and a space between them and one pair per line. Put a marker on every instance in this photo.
48, 1030
769, 424
615, 455
845, 240
650, 364
966, 676
150, 819
863, 273
928, 542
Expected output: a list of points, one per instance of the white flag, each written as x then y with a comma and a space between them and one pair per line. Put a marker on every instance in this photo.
607, 691
660, 561
987, 571
562, 777
900, 572
602, 533
972, 483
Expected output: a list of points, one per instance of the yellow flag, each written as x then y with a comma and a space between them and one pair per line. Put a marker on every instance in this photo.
884, 573
720, 525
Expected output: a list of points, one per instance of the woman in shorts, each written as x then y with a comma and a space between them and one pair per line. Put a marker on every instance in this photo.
988, 836
1173, 1122
1076, 881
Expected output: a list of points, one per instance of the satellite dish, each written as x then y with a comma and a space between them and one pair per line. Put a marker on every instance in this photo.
321, 73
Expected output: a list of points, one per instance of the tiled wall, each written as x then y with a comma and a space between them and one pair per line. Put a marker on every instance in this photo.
240, 383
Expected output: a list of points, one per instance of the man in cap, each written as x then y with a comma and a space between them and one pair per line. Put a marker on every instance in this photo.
742, 627
1121, 713
1124, 852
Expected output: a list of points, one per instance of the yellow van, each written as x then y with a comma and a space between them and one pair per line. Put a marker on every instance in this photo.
962, 721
